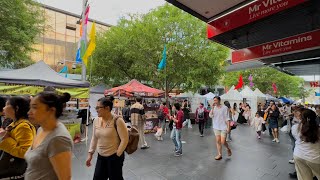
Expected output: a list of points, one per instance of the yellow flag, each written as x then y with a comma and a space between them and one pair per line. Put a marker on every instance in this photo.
92, 44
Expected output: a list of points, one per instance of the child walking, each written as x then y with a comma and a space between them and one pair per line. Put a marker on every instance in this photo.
257, 122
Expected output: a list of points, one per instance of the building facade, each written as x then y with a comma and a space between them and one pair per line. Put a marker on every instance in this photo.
59, 42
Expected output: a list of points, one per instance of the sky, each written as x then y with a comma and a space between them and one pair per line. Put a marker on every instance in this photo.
107, 11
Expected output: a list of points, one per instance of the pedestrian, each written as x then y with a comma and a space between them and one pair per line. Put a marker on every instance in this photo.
110, 138
201, 118
162, 122
126, 113
138, 119
176, 131
235, 113
241, 119
16, 138
186, 113
307, 145
226, 103
257, 122
221, 118
51, 152
247, 114
273, 116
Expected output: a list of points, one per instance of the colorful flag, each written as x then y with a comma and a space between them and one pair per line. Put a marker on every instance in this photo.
64, 70
83, 41
274, 86
240, 82
250, 80
78, 56
92, 44
163, 61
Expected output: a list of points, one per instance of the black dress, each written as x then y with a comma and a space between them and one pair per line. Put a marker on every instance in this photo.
241, 118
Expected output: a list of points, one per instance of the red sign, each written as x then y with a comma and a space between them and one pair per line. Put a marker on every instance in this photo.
315, 84
297, 43
248, 14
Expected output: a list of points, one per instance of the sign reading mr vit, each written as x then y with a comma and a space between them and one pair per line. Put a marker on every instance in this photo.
293, 44
248, 14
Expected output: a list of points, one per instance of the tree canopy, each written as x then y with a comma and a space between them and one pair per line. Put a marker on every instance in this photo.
290, 86
133, 50
20, 23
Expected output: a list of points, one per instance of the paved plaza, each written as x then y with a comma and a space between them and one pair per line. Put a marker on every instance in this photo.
252, 158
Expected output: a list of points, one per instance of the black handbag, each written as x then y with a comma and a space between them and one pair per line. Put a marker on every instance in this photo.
12, 166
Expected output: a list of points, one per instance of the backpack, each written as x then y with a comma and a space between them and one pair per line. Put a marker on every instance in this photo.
160, 114
133, 137
126, 114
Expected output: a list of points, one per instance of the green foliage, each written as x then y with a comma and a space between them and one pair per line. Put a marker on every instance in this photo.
263, 78
133, 50
20, 23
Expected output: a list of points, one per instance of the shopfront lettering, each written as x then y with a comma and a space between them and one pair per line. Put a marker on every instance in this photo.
266, 4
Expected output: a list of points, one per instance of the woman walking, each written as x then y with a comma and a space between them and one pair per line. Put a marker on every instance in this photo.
306, 152
16, 138
226, 103
50, 155
110, 138
273, 116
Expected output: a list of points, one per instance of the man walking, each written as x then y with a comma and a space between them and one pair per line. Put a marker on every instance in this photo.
220, 115
138, 119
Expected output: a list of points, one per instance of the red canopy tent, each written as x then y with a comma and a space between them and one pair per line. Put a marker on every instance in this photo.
134, 88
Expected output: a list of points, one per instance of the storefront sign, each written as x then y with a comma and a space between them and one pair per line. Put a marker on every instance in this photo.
293, 44
248, 14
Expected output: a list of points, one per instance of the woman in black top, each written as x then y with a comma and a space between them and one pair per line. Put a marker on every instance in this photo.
186, 117
241, 118
273, 116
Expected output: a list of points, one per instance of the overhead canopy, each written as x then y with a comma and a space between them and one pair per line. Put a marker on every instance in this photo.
271, 98
188, 95
286, 100
247, 93
280, 34
39, 74
258, 93
134, 88
99, 89
209, 96
233, 95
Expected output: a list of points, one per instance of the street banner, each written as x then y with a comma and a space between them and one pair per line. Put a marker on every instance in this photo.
248, 14
8, 89
74, 92
298, 43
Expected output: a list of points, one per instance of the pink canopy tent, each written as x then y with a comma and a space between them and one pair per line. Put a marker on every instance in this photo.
134, 88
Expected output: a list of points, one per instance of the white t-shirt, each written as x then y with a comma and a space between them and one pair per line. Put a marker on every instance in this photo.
304, 150
220, 117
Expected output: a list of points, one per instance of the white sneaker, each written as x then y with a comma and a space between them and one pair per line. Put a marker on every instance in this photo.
274, 140
277, 140
291, 161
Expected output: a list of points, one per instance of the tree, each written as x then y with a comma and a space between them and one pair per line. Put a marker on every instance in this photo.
264, 77
20, 21
133, 50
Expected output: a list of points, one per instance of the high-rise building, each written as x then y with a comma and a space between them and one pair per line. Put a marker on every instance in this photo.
59, 42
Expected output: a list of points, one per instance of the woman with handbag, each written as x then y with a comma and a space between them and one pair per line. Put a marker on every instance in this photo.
16, 138
110, 138
50, 155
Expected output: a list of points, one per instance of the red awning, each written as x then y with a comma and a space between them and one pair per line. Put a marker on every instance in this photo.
134, 88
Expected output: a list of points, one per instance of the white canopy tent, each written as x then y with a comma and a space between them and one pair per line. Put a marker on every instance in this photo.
209, 96
259, 93
233, 96
194, 98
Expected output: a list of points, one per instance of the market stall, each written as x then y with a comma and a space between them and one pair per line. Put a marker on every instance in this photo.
261, 98
135, 88
35, 78
233, 96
